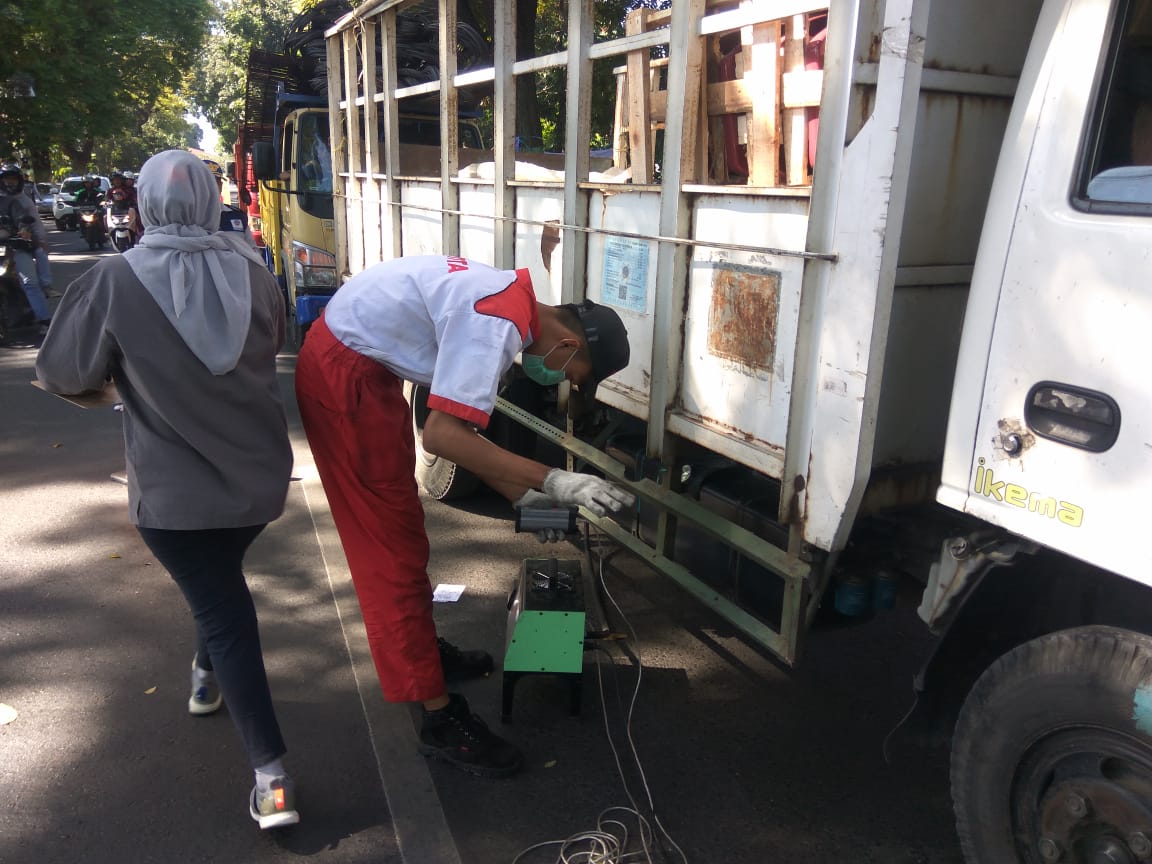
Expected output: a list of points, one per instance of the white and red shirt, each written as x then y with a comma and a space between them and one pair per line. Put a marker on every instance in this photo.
448, 323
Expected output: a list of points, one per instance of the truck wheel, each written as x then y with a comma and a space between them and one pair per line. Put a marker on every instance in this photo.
441, 479
61, 225
1052, 756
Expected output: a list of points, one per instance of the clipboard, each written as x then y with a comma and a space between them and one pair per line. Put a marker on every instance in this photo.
105, 398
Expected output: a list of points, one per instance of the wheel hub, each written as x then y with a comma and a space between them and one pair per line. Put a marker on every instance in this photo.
1093, 799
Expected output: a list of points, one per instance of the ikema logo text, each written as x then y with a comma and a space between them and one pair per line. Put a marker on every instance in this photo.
1011, 493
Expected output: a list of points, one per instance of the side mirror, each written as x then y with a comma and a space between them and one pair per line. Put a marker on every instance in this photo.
264, 161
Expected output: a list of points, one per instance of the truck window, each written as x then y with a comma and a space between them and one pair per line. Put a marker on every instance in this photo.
314, 165
315, 162
286, 152
1120, 172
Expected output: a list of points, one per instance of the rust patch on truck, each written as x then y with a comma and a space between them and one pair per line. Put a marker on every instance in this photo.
742, 317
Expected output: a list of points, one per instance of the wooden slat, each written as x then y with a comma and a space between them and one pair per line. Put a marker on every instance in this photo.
449, 130
759, 44
372, 217
619, 124
390, 222
639, 117
578, 120
803, 89
794, 118
355, 153
339, 149
504, 133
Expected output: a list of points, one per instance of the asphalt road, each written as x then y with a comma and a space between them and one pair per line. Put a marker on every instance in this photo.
746, 762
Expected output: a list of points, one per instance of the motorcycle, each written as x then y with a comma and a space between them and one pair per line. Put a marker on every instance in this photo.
92, 224
119, 223
14, 309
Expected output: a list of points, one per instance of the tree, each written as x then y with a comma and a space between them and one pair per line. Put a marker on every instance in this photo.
96, 70
216, 86
164, 128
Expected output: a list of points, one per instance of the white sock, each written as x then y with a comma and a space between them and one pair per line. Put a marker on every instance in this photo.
268, 772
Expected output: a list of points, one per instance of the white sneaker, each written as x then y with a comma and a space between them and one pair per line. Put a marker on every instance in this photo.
206, 697
275, 808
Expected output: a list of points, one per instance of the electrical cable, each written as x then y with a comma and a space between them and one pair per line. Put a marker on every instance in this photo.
601, 845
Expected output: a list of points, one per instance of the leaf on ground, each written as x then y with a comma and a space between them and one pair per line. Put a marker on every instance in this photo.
149, 691
113, 555
57, 446
7, 714
551, 763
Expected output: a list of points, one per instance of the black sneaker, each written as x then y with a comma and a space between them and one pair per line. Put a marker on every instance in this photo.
456, 736
460, 665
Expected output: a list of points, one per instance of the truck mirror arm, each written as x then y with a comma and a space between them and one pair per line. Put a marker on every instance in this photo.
284, 190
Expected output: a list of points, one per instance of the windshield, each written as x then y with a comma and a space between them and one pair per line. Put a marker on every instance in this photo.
314, 165
71, 187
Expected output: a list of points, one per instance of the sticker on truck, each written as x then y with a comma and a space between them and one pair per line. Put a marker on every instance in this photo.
987, 485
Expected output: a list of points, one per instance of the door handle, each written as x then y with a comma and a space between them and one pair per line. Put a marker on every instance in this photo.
1081, 418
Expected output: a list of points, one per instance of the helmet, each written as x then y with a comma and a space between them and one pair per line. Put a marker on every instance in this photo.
129, 176
11, 170
90, 178
215, 168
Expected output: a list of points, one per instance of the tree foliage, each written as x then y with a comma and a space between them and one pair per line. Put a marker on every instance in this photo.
216, 85
76, 73
541, 118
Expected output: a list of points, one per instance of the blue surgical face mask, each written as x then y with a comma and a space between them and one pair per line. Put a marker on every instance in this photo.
535, 369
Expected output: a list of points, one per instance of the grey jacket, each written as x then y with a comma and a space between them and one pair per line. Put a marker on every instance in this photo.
203, 451
19, 206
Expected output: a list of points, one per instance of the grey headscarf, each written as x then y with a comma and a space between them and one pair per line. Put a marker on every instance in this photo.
197, 275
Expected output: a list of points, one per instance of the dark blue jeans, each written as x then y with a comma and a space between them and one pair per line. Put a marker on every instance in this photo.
207, 567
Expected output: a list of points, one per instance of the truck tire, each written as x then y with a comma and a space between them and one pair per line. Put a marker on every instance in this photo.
439, 478
1052, 756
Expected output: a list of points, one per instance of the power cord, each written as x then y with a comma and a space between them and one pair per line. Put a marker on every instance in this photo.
602, 845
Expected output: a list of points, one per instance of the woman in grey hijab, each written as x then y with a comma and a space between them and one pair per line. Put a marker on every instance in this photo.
187, 325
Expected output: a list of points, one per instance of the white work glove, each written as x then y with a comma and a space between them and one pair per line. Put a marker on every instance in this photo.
583, 490
539, 501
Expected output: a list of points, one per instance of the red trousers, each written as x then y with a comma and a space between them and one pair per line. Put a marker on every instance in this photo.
360, 431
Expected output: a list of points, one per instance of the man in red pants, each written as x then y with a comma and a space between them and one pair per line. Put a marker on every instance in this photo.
455, 326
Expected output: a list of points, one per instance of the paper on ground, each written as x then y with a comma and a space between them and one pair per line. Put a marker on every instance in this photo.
447, 593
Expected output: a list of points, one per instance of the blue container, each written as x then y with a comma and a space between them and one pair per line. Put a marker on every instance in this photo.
885, 586
854, 596
308, 307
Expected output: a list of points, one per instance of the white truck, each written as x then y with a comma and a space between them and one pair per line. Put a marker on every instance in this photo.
884, 266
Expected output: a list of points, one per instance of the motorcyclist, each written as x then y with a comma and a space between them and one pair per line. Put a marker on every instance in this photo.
91, 192
130, 186
231, 218
43, 268
92, 196
121, 196
23, 222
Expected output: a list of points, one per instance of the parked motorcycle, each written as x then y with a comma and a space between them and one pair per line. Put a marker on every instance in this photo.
118, 219
14, 309
92, 224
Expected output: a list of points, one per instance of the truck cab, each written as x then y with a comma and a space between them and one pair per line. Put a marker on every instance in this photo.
296, 203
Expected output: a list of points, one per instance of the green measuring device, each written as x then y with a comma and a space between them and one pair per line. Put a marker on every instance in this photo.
546, 622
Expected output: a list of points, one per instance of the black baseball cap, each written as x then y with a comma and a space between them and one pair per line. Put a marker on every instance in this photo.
607, 342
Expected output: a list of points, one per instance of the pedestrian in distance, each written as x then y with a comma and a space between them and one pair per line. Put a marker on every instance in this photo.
455, 326
187, 325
